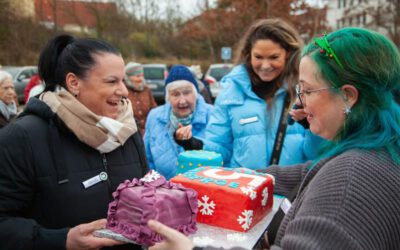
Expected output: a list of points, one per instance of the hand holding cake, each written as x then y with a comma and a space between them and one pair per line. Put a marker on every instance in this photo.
81, 237
172, 238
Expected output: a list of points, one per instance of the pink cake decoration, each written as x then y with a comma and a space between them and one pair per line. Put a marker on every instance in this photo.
151, 197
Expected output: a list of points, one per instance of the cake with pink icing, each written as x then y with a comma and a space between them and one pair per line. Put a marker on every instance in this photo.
152, 197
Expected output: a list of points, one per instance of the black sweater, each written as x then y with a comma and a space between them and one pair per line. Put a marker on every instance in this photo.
43, 165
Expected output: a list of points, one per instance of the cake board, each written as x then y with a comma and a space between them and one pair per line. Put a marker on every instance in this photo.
215, 236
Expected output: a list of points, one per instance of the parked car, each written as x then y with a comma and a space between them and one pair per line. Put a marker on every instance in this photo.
155, 75
203, 86
214, 75
21, 76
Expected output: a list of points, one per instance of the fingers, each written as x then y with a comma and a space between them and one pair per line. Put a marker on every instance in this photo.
172, 238
92, 226
184, 132
160, 228
298, 114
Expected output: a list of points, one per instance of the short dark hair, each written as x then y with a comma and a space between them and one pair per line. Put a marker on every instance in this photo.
64, 54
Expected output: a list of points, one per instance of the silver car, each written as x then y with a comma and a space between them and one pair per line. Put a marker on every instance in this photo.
214, 75
155, 75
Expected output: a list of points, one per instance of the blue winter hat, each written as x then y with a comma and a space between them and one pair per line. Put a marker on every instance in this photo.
179, 73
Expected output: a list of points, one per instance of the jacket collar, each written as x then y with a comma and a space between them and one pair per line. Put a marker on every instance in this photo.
238, 87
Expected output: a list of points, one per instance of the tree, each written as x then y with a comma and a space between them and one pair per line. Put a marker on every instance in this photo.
21, 38
311, 20
225, 24
386, 16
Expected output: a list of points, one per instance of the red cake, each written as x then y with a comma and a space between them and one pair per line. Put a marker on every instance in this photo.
235, 199
152, 197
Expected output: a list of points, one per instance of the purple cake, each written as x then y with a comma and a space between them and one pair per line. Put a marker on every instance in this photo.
152, 197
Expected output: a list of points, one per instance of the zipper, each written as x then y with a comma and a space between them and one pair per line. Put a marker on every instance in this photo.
105, 165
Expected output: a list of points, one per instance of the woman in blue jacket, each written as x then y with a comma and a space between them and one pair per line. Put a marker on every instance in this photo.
245, 121
184, 107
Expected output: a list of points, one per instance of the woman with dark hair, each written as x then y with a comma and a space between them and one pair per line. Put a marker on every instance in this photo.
69, 150
248, 125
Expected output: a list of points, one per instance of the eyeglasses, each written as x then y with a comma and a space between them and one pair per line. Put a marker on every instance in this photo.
301, 94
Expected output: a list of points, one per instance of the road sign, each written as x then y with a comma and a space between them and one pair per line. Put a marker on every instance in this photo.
226, 53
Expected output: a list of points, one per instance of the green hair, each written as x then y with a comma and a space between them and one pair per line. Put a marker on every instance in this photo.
371, 63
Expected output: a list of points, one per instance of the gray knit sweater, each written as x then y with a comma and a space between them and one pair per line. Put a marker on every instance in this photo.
351, 201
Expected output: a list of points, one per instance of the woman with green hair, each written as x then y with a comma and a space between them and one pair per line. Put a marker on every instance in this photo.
349, 198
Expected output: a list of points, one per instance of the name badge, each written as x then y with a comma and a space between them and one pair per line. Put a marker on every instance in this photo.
248, 120
95, 179
286, 205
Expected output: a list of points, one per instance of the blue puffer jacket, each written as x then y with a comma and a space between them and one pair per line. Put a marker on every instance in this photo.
243, 128
161, 150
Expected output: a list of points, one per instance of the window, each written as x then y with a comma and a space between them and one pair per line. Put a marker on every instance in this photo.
364, 18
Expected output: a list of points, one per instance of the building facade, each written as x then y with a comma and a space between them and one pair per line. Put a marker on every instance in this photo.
72, 15
378, 15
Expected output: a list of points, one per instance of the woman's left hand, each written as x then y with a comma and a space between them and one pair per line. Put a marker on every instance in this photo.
298, 114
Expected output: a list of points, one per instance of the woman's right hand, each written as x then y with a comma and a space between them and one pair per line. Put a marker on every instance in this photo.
81, 237
183, 132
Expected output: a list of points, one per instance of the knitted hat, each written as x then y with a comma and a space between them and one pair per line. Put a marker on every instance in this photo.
132, 69
181, 73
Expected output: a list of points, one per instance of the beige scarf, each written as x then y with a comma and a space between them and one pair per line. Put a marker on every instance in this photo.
99, 132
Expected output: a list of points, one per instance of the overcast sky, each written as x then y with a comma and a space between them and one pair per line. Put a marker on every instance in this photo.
190, 7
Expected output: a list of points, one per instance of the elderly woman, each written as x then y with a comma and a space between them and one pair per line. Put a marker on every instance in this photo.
350, 197
139, 94
8, 107
69, 150
184, 107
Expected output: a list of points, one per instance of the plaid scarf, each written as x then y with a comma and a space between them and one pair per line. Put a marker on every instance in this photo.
99, 132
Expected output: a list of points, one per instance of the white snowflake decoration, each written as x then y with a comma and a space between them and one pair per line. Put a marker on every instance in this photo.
265, 196
207, 208
151, 176
236, 237
249, 190
202, 241
246, 220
